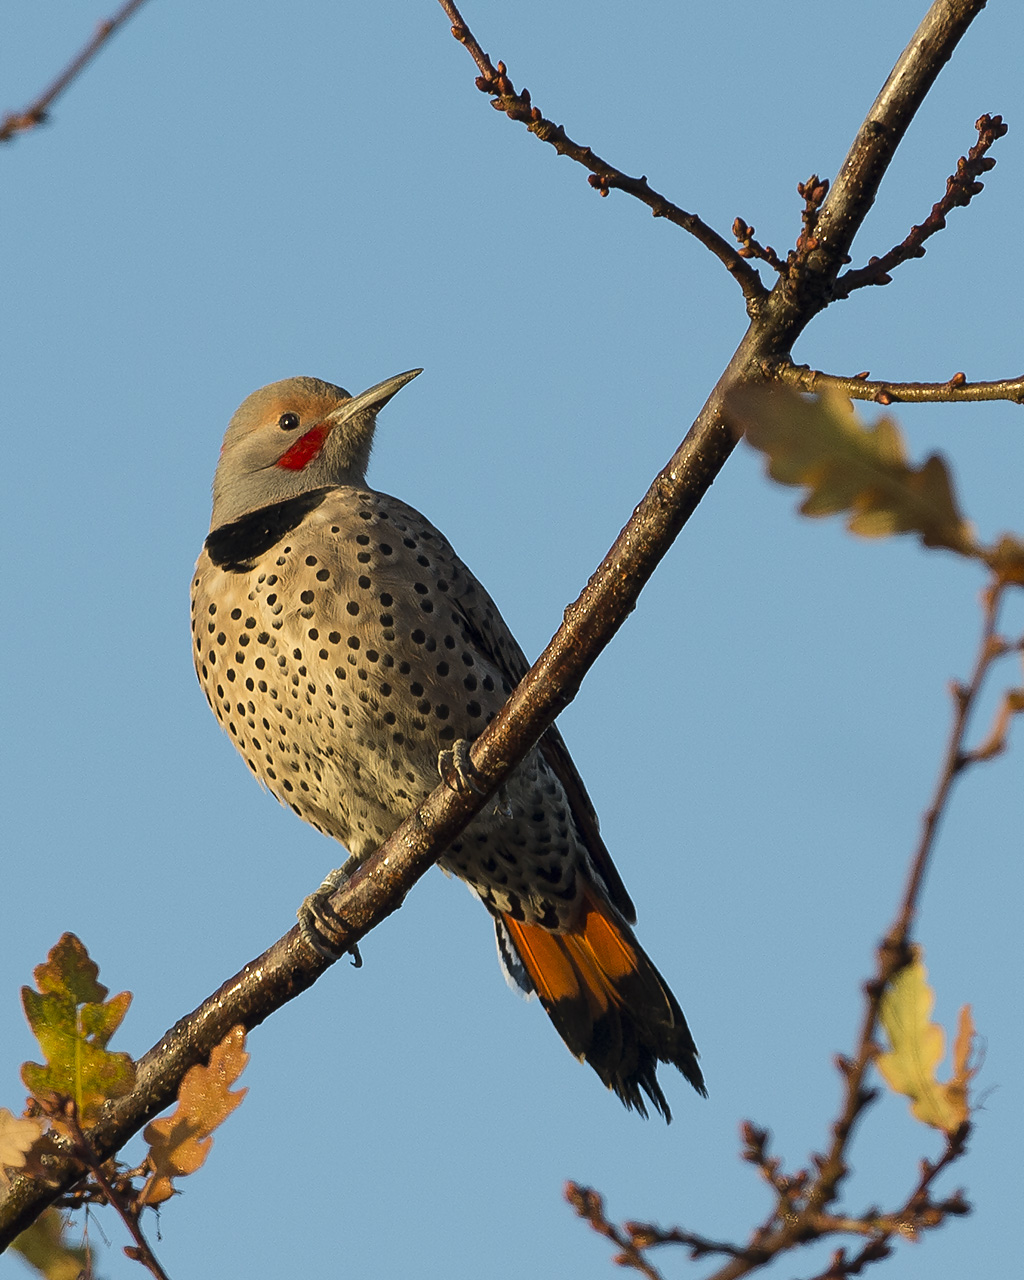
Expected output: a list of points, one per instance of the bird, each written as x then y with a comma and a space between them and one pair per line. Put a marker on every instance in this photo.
350, 653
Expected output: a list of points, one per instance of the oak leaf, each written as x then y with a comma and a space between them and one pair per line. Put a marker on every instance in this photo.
44, 1247
849, 466
918, 1045
73, 1021
180, 1142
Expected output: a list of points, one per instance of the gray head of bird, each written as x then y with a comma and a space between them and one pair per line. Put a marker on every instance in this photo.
293, 436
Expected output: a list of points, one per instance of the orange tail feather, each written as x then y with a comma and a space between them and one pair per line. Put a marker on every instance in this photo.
608, 1002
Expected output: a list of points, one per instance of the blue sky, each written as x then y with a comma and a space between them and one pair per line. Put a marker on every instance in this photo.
238, 193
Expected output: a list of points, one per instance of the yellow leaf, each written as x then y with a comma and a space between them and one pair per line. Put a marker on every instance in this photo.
917, 1048
180, 1142
848, 466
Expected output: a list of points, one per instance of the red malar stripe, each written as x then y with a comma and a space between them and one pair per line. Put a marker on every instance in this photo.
305, 449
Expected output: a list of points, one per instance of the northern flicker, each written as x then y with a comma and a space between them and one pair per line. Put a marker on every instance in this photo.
345, 647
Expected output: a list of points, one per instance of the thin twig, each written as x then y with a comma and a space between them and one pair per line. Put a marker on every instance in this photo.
604, 176
956, 390
894, 951
813, 193
956, 760
800, 1213
961, 187
589, 1204
34, 114
912, 1216
83, 1151
753, 249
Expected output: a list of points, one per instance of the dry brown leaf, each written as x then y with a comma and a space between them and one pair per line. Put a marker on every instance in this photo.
963, 1070
180, 1142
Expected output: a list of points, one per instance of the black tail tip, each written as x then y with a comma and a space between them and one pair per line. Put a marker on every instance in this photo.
644, 1080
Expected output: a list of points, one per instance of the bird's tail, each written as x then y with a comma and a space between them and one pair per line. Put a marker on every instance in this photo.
608, 1002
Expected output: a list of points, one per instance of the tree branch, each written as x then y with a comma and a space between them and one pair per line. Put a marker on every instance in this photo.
84, 1153
856, 185
800, 1214
34, 114
961, 188
604, 176
956, 391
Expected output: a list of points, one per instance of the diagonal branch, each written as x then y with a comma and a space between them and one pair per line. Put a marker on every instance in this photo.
34, 114
604, 176
957, 390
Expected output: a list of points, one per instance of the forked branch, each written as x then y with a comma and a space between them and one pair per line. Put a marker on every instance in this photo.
801, 1211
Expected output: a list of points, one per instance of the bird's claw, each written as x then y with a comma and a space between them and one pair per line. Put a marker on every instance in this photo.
502, 805
457, 769
316, 925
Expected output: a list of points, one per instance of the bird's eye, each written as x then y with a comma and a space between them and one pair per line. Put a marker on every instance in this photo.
288, 421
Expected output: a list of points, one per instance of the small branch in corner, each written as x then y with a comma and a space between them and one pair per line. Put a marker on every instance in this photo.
36, 112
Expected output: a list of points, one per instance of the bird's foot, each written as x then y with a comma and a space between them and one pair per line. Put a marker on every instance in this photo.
459, 773
317, 922
502, 804
457, 769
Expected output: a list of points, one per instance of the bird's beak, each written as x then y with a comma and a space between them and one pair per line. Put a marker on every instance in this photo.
375, 398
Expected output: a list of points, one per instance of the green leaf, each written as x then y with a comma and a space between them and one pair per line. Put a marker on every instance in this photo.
73, 1022
44, 1247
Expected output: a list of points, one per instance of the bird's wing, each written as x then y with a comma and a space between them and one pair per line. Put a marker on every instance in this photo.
496, 643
